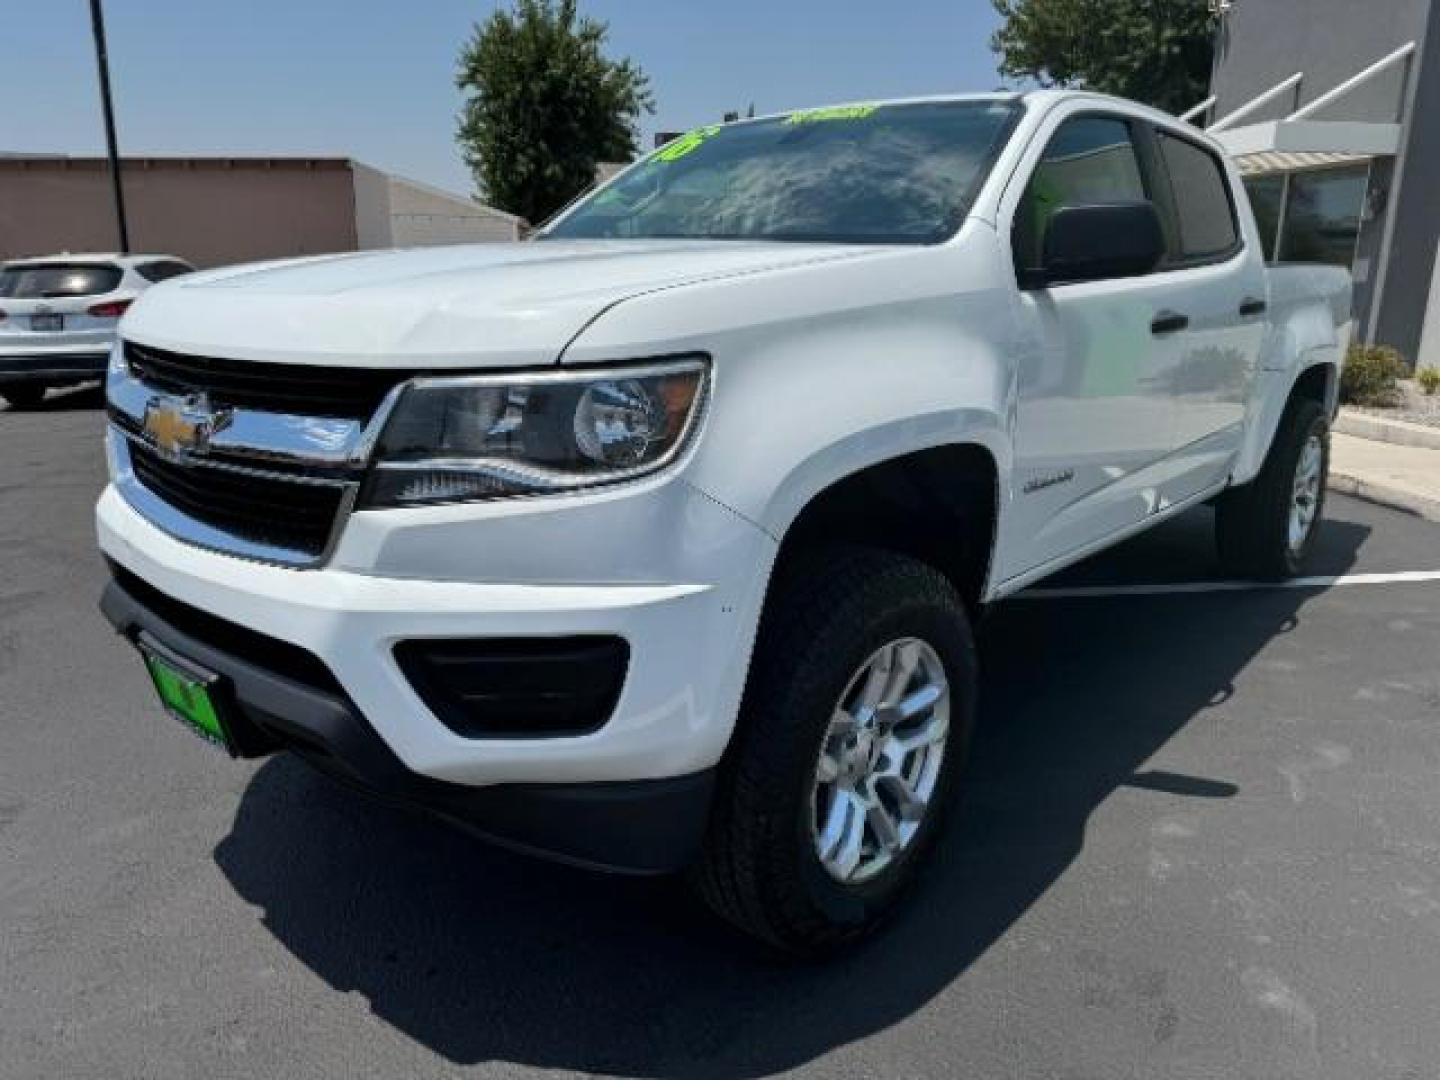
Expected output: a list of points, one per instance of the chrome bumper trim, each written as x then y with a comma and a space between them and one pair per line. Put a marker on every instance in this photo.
282, 438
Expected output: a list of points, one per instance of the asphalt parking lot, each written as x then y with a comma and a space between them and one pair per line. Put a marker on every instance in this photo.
1200, 838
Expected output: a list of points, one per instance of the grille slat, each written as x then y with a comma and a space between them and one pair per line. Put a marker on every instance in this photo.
310, 390
263, 510
199, 489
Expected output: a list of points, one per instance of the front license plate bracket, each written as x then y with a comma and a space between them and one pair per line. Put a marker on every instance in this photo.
189, 692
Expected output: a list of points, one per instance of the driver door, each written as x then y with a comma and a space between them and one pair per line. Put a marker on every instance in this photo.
1095, 406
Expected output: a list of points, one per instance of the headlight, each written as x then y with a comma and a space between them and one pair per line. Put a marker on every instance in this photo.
496, 436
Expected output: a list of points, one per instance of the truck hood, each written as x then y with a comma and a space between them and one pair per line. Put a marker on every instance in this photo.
483, 305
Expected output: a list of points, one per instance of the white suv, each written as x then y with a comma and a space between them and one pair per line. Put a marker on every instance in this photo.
58, 317
655, 543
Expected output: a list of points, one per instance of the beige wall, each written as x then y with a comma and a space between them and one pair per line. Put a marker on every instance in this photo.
211, 212
372, 208
421, 215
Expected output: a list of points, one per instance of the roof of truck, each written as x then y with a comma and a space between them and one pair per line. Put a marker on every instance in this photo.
1040, 97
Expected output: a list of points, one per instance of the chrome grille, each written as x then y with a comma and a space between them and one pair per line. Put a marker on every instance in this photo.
279, 456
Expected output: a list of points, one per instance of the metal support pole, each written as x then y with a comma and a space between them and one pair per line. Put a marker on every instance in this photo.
1199, 110
1256, 102
1400, 55
102, 60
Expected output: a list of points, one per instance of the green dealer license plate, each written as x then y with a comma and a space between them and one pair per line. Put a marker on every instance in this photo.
188, 694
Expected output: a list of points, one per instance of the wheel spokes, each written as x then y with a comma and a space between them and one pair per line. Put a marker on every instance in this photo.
901, 744
882, 825
877, 677
909, 806
902, 669
843, 839
879, 760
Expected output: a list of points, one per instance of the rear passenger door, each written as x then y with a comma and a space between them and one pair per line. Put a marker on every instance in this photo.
1222, 297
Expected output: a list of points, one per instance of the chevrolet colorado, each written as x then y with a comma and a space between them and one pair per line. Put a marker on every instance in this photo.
654, 543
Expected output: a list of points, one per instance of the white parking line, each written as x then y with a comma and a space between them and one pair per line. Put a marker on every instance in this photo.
1162, 589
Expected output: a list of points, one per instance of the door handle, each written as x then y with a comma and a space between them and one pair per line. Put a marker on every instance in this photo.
1168, 322
1252, 305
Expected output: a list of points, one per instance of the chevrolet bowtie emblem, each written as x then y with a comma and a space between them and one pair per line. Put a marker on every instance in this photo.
183, 425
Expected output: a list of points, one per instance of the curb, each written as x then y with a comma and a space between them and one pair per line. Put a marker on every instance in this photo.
1384, 495
1379, 429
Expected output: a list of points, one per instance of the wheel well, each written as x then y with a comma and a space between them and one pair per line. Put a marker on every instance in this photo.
1315, 383
938, 505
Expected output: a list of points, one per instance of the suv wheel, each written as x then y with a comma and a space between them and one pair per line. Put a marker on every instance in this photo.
854, 727
1266, 528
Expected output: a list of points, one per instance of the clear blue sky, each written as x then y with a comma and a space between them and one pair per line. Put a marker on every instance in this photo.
374, 80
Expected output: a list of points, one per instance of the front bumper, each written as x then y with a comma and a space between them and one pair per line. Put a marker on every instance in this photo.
646, 827
689, 642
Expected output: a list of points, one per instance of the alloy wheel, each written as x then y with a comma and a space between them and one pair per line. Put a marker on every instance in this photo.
879, 761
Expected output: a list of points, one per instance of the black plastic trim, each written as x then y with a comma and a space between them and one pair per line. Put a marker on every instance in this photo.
15, 368
632, 827
309, 389
518, 687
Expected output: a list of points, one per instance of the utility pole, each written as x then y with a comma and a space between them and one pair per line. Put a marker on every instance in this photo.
102, 60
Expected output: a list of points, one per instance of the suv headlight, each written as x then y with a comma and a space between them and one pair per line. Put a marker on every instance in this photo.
496, 436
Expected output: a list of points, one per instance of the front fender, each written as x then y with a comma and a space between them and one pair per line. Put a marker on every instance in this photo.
821, 371
856, 452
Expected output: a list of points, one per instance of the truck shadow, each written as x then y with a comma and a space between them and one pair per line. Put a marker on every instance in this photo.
482, 956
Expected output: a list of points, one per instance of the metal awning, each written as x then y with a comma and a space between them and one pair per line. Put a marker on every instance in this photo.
1300, 142
1263, 163
1290, 145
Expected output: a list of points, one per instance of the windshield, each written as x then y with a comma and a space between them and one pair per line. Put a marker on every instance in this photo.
40, 281
888, 174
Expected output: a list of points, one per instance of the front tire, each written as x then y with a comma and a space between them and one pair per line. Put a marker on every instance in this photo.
23, 397
854, 728
1266, 529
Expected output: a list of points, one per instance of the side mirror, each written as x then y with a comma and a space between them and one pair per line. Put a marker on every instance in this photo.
1109, 240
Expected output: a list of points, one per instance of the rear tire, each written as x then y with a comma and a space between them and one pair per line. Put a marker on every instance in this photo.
1266, 529
23, 396
795, 788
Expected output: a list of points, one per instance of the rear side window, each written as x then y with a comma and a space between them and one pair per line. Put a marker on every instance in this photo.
40, 281
163, 270
1267, 199
1202, 198
1090, 159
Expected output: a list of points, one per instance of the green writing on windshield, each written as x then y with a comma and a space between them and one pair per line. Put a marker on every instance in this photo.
834, 112
685, 144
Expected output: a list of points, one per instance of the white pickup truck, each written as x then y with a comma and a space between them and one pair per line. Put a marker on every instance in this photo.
654, 543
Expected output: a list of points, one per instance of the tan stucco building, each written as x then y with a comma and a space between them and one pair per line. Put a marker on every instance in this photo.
215, 211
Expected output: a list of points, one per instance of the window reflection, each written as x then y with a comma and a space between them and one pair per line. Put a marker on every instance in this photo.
1322, 217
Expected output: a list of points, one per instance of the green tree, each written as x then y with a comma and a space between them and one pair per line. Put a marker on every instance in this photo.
544, 105
1155, 51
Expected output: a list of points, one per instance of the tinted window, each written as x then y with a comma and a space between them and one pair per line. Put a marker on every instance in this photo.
1322, 218
1266, 193
38, 281
1090, 159
161, 271
878, 174
1202, 199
